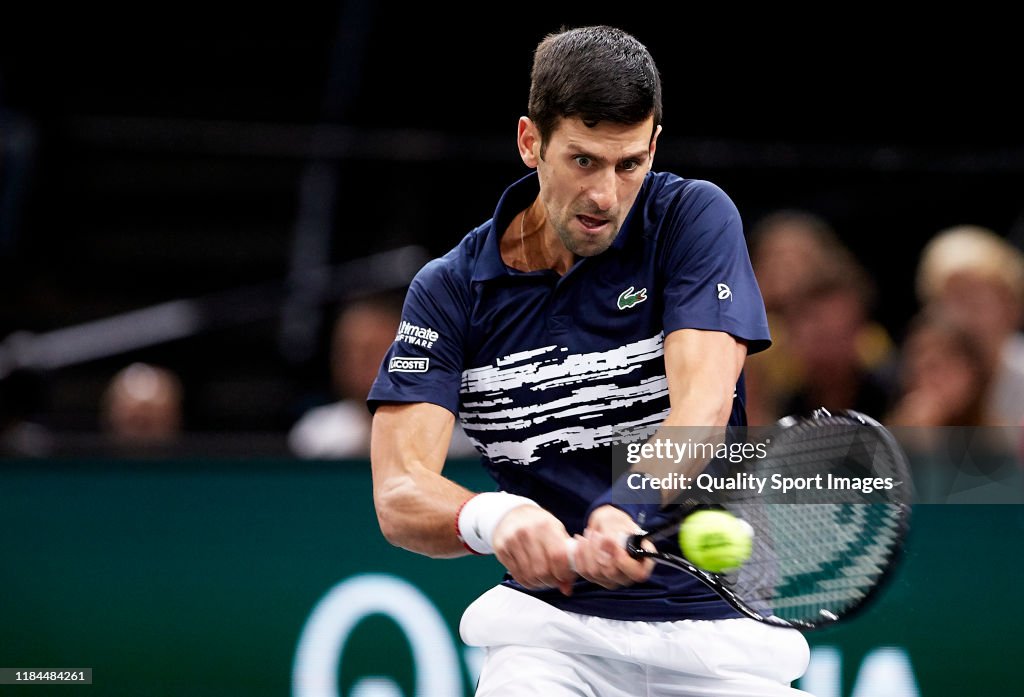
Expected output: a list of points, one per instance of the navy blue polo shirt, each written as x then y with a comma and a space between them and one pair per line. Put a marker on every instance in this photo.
547, 372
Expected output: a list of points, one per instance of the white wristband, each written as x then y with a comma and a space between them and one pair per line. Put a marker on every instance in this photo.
480, 516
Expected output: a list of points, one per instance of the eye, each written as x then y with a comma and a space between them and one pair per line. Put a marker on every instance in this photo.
629, 165
583, 160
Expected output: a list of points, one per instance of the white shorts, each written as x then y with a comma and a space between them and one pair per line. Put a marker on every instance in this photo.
537, 650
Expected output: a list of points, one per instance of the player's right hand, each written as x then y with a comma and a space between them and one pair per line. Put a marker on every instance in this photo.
531, 543
600, 555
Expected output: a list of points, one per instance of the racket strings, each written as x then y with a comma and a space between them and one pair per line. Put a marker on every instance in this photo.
831, 568
813, 559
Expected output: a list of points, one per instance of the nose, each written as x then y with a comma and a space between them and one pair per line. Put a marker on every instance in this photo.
602, 190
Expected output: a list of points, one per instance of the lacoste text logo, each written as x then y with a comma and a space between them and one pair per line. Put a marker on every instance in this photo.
628, 298
403, 364
724, 292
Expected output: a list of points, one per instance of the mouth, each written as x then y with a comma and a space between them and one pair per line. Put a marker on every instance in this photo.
592, 224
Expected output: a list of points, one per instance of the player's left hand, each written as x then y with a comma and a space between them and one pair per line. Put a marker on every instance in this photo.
600, 555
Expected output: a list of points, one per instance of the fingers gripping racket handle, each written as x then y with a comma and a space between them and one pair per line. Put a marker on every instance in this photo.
632, 543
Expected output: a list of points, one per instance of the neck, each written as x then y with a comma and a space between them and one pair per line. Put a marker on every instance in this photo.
530, 243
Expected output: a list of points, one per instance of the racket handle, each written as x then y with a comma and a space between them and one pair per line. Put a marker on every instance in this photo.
634, 547
570, 550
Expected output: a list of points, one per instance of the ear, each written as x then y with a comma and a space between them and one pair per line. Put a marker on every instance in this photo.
529, 142
654, 146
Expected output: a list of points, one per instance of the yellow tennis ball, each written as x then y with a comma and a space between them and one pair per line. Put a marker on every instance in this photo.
716, 541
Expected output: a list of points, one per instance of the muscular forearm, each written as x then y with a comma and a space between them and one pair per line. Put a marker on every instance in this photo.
416, 504
416, 510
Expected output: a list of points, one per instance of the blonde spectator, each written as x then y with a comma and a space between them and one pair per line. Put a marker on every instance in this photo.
976, 278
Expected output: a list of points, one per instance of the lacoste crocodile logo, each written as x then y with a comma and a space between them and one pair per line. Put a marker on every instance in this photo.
628, 298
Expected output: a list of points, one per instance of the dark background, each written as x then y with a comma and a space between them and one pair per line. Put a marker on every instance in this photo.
178, 151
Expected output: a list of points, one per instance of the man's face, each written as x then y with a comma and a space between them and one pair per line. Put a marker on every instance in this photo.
589, 178
362, 335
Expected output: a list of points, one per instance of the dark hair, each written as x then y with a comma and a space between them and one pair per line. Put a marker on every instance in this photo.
597, 73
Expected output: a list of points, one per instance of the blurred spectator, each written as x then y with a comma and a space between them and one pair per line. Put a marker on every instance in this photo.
787, 250
142, 406
976, 278
363, 332
838, 360
944, 376
824, 329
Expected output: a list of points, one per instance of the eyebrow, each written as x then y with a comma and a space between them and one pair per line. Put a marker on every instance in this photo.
640, 156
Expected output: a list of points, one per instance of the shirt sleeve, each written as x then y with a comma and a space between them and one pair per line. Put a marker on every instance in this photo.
708, 280
424, 364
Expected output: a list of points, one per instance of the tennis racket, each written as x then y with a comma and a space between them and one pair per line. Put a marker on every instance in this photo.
818, 557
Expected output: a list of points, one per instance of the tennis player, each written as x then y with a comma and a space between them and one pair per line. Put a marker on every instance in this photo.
601, 301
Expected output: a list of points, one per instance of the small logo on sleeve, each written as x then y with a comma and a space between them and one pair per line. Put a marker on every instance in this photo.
628, 298
403, 364
724, 292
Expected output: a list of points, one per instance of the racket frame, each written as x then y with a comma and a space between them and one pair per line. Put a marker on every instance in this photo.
719, 582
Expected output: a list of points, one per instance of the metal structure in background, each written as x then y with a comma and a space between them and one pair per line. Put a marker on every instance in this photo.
179, 319
318, 192
17, 148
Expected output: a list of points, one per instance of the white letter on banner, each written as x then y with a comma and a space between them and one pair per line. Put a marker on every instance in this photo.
886, 672
824, 673
318, 655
